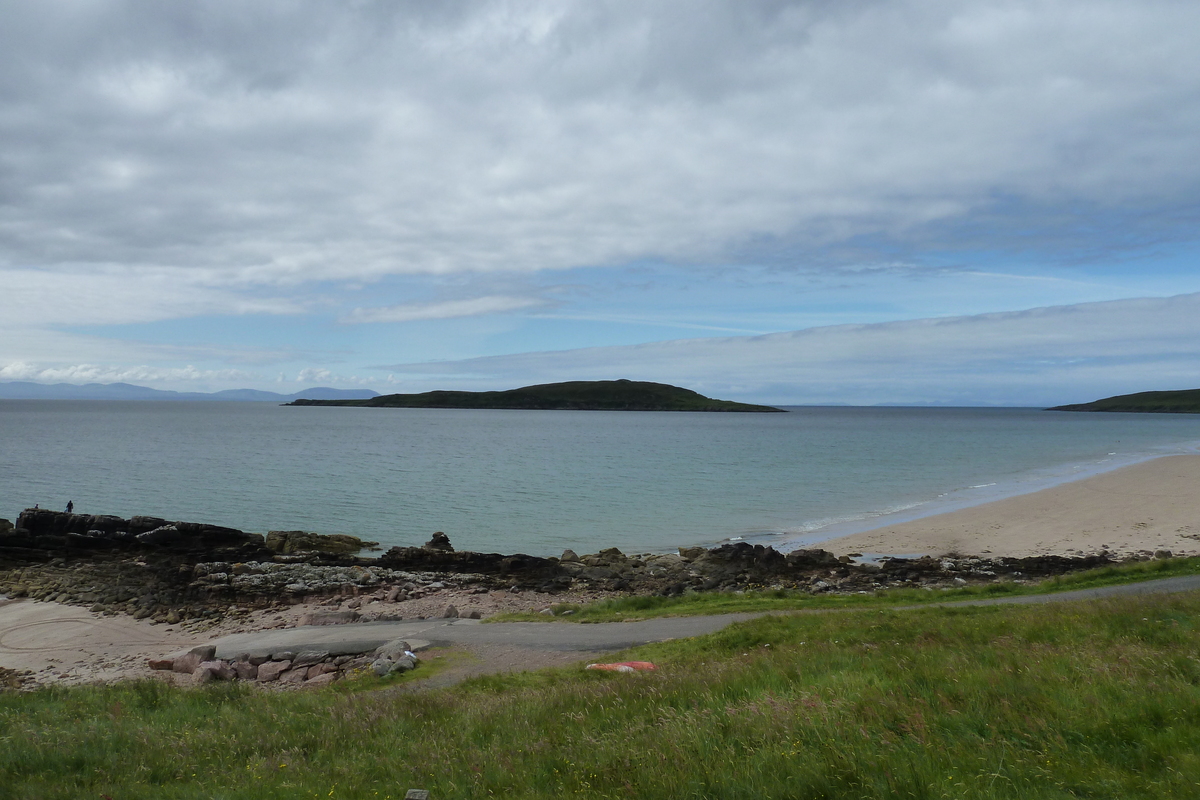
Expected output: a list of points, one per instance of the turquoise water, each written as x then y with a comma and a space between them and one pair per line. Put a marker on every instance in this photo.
538, 482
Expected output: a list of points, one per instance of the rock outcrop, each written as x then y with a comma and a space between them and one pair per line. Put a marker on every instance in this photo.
149, 567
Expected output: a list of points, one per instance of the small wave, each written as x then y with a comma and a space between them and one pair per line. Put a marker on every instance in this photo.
982, 486
829, 522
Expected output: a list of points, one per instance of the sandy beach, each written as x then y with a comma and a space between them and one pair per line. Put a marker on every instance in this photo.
1150, 506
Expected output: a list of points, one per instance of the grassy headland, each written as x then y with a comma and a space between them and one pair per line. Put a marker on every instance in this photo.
1184, 401
1096, 699
619, 395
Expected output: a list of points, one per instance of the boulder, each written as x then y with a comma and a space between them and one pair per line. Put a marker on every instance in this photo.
439, 541
294, 675
245, 670
188, 662
271, 670
291, 542
220, 670
309, 657
319, 669
450, 612
392, 650
404, 664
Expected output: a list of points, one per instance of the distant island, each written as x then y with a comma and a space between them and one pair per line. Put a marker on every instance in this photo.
1183, 401
619, 395
27, 390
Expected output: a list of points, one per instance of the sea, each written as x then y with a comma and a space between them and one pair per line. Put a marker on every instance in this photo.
539, 482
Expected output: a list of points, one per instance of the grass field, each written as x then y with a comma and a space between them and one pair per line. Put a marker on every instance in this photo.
1098, 699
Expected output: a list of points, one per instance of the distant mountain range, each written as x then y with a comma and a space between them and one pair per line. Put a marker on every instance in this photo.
26, 390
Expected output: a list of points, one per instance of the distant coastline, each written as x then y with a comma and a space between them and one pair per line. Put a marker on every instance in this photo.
1183, 401
618, 395
28, 390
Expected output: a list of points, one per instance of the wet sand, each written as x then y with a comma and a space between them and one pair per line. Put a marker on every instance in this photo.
1150, 506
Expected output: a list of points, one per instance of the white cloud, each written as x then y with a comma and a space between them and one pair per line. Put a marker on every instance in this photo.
1037, 357
120, 295
97, 373
478, 306
313, 374
282, 144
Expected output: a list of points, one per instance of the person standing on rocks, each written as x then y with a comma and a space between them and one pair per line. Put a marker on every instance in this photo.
70, 506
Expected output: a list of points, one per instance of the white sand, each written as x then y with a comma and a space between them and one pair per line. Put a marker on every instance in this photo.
1151, 506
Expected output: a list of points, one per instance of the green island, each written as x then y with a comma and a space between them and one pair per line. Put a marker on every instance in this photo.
1183, 401
618, 395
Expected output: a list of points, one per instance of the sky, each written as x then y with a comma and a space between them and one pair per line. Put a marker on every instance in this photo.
831, 201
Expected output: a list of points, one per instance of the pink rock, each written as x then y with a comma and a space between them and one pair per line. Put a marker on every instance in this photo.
294, 676
271, 670
245, 670
186, 663
219, 669
320, 669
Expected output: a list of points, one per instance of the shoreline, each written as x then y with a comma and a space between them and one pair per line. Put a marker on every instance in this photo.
959, 499
1147, 506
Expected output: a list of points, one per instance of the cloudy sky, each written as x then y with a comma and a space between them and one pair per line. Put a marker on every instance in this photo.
828, 201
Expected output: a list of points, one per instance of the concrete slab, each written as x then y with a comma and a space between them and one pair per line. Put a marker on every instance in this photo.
356, 638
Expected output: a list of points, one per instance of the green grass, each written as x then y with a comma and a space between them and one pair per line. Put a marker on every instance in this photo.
1097, 699
695, 603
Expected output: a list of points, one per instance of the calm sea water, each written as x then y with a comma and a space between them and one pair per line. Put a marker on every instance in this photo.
539, 482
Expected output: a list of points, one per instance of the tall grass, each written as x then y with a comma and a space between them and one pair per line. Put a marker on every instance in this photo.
1096, 699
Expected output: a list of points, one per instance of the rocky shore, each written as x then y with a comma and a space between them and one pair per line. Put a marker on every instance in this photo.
172, 571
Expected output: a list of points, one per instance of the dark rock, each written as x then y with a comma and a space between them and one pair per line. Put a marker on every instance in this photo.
439, 541
292, 542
